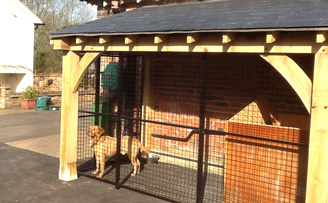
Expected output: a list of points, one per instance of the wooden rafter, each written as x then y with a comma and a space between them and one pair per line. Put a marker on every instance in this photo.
81, 40
130, 39
228, 37
322, 37
193, 37
272, 37
159, 39
104, 39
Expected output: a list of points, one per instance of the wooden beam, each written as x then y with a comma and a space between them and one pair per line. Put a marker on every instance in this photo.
81, 40
193, 37
317, 178
228, 37
272, 37
159, 39
287, 43
294, 75
130, 39
61, 44
83, 66
321, 37
69, 119
105, 39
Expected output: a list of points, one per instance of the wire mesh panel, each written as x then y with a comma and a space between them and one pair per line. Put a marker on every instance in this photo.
226, 128
173, 113
171, 129
86, 101
265, 127
98, 106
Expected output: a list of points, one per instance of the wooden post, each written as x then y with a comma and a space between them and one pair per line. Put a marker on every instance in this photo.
317, 182
147, 104
69, 119
74, 68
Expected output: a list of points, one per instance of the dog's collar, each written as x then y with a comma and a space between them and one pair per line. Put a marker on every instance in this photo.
93, 144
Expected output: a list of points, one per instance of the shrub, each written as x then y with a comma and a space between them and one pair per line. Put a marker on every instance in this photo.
30, 93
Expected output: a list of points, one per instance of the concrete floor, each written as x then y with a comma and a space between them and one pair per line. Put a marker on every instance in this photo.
29, 149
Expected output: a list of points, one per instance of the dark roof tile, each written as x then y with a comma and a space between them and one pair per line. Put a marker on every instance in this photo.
208, 16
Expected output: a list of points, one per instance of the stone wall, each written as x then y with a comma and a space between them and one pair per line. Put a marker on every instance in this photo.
49, 84
51, 89
5, 96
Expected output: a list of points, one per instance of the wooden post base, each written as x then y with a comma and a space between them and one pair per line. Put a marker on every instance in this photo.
67, 171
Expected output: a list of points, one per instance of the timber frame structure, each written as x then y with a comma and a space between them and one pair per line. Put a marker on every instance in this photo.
274, 45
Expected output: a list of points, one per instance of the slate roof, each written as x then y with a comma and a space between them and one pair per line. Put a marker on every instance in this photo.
219, 15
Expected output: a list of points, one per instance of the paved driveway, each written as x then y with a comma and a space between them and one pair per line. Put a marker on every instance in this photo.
29, 148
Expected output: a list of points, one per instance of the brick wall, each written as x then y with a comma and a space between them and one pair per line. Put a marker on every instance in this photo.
176, 82
233, 83
53, 90
41, 78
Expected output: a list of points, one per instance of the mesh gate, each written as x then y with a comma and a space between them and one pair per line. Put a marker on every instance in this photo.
222, 126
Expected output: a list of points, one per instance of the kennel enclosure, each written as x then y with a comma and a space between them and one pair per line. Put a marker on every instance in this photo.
235, 115
241, 143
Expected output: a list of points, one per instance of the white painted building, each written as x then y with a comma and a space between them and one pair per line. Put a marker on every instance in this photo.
17, 25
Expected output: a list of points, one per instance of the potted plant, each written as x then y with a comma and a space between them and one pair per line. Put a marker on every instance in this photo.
28, 97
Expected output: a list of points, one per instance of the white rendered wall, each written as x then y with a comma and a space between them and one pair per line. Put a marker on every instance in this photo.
17, 46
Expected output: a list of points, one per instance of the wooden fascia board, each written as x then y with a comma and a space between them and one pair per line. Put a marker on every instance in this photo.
287, 43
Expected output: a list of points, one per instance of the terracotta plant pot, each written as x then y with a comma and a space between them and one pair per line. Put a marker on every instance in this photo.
28, 103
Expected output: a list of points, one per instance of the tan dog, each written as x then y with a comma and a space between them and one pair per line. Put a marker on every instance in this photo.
106, 146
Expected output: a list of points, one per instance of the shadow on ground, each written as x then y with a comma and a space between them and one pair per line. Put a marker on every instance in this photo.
28, 176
